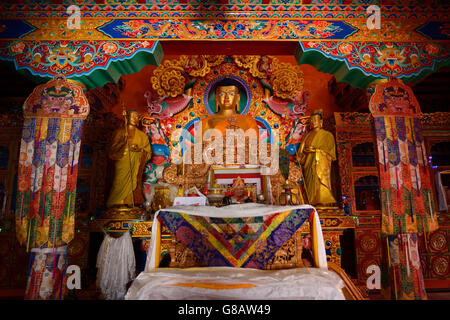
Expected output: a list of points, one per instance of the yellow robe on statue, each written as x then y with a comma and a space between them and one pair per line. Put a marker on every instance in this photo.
317, 166
124, 183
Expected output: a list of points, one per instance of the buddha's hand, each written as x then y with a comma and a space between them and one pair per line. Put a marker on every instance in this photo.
135, 148
310, 150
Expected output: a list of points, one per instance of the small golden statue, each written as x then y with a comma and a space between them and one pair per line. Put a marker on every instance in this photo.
239, 194
130, 150
317, 150
227, 100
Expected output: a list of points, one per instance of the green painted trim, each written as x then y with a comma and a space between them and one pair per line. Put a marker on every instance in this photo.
100, 77
354, 76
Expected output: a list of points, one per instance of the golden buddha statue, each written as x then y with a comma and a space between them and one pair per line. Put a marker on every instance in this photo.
227, 100
130, 149
317, 150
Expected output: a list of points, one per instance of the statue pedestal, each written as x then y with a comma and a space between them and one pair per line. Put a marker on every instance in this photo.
116, 220
123, 212
334, 222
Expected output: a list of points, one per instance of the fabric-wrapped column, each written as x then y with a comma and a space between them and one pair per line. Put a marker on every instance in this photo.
405, 186
48, 164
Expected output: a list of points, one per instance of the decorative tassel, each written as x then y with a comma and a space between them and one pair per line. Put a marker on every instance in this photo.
425, 236
35, 148
388, 206
65, 270
34, 186
417, 183
42, 211
420, 284
21, 208
68, 206
412, 130
54, 233
47, 156
28, 236
393, 267
392, 130
412, 210
73, 158
55, 256
407, 255
384, 157
431, 207
398, 186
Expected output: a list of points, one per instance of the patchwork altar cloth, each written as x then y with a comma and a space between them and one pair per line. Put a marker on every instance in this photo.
229, 283
243, 235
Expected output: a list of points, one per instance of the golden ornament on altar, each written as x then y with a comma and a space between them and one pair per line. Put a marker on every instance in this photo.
287, 197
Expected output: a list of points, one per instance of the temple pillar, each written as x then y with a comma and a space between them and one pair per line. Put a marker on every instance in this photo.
47, 176
405, 189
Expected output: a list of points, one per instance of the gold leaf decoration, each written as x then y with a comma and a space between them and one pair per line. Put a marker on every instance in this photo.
287, 80
169, 78
214, 60
259, 66
197, 66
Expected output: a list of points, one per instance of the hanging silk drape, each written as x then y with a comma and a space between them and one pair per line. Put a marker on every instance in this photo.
47, 274
405, 184
405, 187
48, 163
402, 277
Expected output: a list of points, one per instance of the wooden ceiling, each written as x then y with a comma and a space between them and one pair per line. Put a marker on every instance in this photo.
432, 93
13, 85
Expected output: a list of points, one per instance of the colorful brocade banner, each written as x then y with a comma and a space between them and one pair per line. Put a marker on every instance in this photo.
405, 188
248, 242
405, 184
48, 163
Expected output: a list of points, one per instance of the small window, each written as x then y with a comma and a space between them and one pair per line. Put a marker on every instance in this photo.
4, 156
363, 155
440, 154
367, 195
86, 156
83, 195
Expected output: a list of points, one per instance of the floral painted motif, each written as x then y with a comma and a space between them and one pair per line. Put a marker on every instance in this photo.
159, 29
381, 59
70, 58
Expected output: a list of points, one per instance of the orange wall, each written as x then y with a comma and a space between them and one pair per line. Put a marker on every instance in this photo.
314, 81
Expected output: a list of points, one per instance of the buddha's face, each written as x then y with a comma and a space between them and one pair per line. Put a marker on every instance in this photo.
315, 121
133, 118
227, 97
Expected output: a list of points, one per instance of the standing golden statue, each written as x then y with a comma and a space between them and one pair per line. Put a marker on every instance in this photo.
130, 150
227, 101
317, 150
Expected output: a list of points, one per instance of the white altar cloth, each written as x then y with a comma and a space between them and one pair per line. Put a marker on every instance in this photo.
229, 283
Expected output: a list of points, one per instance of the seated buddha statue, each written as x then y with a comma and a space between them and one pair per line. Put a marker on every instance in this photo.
227, 101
